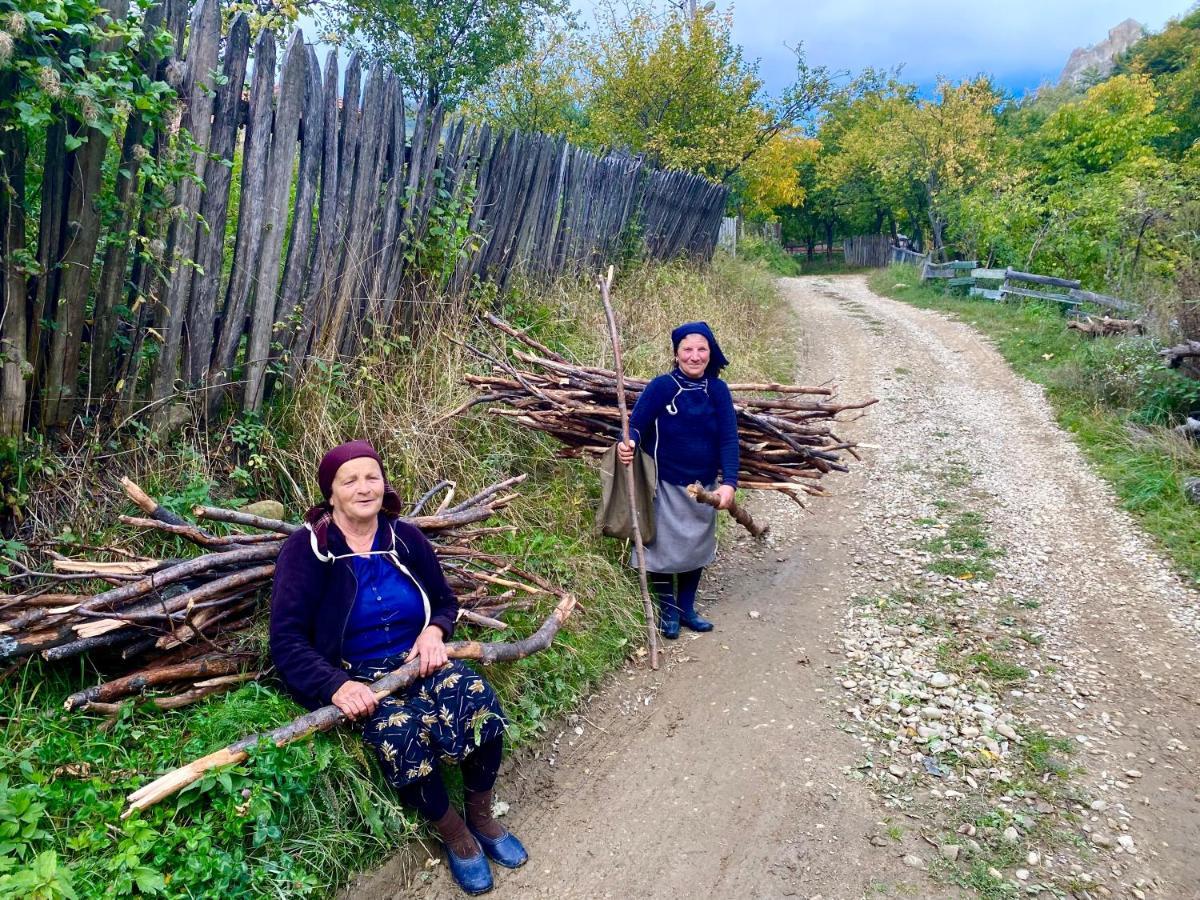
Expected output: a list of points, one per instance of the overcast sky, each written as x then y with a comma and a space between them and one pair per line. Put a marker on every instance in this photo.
1022, 43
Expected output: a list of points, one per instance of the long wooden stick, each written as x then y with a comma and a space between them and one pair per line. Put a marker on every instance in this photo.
328, 717
700, 495
605, 284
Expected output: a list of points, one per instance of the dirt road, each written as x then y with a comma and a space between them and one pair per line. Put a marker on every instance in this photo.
967, 675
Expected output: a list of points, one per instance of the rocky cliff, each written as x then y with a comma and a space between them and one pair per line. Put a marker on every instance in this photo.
1098, 59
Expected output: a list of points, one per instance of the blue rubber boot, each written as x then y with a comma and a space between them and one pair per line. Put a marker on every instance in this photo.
472, 873
505, 850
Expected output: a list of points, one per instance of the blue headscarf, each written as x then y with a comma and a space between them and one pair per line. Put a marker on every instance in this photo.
716, 359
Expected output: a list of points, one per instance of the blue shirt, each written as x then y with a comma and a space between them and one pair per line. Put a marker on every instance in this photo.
690, 426
388, 612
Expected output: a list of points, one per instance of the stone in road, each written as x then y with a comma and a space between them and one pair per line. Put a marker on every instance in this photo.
780, 755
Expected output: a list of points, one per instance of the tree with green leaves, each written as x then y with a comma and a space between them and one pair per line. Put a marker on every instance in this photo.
442, 50
540, 92
676, 88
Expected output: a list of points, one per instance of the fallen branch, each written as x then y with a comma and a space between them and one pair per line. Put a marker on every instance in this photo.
328, 717
1175, 356
139, 681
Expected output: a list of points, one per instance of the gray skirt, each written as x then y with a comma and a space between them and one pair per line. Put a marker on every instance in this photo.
685, 535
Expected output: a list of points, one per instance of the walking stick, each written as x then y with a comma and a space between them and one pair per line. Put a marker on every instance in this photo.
605, 284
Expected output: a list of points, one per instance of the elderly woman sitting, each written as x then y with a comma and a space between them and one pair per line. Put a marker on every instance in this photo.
358, 592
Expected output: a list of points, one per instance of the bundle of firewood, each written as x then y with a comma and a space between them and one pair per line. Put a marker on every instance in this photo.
787, 441
1103, 326
185, 625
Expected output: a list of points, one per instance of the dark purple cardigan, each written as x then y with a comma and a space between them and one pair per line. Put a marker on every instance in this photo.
313, 594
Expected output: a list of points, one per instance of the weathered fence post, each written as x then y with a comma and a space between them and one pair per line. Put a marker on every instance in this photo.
198, 94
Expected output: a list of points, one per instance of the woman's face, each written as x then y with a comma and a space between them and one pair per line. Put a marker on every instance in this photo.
692, 355
358, 489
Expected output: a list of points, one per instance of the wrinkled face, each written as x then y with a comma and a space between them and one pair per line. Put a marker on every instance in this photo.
358, 489
692, 355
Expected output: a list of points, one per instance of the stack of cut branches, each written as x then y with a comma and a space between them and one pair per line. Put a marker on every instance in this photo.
1103, 326
184, 624
787, 441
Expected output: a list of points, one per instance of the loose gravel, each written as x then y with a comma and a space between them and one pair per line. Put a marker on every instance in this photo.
1019, 660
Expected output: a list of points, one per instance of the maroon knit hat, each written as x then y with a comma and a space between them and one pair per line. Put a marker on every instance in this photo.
339, 456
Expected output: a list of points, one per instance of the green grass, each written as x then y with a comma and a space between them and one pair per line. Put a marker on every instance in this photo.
1112, 394
963, 550
773, 256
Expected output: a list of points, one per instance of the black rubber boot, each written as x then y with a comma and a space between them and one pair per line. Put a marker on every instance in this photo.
688, 583
668, 611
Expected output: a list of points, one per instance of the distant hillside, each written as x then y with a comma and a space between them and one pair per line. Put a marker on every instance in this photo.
1098, 59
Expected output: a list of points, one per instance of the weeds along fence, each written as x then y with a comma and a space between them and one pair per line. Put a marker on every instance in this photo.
304, 223
873, 250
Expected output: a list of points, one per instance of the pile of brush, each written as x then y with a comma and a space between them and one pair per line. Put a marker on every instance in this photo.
785, 431
184, 625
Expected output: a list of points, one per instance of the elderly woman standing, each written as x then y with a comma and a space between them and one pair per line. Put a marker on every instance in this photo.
357, 593
686, 420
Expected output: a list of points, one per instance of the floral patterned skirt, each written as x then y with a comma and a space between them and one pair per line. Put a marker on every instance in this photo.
440, 718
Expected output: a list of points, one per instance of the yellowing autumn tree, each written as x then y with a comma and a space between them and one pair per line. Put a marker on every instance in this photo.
672, 87
771, 177
947, 146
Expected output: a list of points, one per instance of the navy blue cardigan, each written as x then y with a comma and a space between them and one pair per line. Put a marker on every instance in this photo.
314, 593
696, 429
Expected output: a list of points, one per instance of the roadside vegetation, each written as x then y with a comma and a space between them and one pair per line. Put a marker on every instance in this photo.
1112, 393
303, 819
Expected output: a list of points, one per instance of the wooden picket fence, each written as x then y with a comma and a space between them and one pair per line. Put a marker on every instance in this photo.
354, 215
873, 250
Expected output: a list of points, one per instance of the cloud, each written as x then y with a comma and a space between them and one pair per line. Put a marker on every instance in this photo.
1019, 42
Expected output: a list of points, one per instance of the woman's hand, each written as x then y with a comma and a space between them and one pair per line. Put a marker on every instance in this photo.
625, 451
725, 495
430, 647
355, 700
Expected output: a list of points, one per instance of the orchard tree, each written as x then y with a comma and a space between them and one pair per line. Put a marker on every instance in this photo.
771, 178
441, 49
540, 92
860, 166
946, 147
678, 89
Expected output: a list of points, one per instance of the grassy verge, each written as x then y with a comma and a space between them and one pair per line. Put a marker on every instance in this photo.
1112, 394
300, 820
770, 254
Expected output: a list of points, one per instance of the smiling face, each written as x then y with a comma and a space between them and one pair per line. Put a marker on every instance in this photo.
358, 489
692, 355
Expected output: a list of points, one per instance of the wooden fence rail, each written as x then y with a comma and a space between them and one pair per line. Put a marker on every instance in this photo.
1010, 282
351, 213
902, 256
